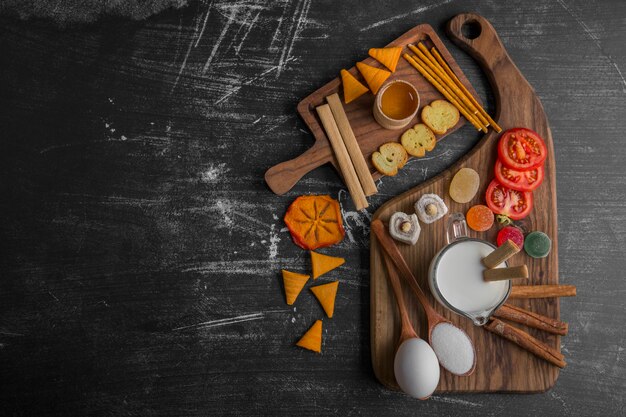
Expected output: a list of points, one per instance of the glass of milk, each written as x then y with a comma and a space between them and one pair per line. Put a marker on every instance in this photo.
456, 275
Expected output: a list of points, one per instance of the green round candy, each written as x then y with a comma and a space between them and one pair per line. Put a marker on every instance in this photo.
537, 245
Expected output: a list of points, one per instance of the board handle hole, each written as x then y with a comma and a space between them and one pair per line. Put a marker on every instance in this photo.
471, 29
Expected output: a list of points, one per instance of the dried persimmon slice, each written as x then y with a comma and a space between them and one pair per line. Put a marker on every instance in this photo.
314, 221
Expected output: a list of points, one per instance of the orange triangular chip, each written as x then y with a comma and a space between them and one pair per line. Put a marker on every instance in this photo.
312, 339
352, 88
387, 56
323, 263
375, 77
326, 294
294, 283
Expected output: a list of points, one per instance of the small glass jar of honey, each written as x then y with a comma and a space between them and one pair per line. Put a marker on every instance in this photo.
396, 104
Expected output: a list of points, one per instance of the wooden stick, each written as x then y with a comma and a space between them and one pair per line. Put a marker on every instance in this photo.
503, 274
530, 319
343, 159
442, 90
504, 252
426, 56
526, 341
423, 61
542, 291
347, 135
458, 82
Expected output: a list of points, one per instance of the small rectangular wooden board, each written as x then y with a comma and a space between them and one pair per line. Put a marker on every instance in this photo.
369, 134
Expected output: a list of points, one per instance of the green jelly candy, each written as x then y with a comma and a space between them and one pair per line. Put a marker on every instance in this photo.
537, 245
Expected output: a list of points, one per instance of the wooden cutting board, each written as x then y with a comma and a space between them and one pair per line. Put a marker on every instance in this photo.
501, 365
369, 134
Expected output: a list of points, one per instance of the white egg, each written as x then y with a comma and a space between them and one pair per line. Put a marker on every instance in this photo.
416, 368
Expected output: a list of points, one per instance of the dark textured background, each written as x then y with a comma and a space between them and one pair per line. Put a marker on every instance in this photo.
140, 248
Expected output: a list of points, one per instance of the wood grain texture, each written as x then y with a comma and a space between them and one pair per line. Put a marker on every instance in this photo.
110, 240
497, 362
369, 134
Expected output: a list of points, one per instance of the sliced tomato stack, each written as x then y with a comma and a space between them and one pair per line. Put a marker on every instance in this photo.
519, 170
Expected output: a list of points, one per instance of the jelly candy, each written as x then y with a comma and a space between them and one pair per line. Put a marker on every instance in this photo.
537, 245
464, 185
511, 233
479, 218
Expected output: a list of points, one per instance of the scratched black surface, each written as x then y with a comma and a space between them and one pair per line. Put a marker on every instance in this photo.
140, 247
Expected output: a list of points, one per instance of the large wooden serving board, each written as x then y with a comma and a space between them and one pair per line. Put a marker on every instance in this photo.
369, 134
501, 365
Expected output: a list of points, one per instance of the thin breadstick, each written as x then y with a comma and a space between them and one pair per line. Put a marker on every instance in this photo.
442, 90
458, 82
429, 59
440, 77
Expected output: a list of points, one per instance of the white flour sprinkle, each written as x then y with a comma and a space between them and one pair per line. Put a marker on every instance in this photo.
274, 239
212, 173
453, 348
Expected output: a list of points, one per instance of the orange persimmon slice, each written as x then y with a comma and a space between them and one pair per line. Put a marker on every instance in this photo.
322, 264
387, 56
352, 88
293, 283
375, 77
312, 339
314, 221
326, 294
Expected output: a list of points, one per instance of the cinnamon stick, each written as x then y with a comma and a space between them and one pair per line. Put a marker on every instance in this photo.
503, 274
530, 319
504, 252
542, 291
526, 342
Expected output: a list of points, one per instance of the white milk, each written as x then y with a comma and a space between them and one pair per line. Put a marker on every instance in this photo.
459, 278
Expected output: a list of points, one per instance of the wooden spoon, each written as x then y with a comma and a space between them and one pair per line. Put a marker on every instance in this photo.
394, 255
415, 366
406, 328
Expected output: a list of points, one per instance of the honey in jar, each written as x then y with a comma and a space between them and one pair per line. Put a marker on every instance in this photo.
399, 100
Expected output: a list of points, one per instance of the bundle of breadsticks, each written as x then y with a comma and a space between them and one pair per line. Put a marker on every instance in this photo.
435, 69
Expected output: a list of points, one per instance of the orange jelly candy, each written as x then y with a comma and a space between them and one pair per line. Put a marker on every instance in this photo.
479, 218
314, 221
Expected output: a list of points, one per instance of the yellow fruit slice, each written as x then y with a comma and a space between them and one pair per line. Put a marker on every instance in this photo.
293, 283
322, 264
387, 56
374, 77
312, 339
326, 295
352, 88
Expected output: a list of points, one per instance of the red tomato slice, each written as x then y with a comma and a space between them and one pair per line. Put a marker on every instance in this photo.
512, 203
512, 178
522, 149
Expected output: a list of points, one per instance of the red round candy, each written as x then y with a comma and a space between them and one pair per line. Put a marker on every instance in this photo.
511, 233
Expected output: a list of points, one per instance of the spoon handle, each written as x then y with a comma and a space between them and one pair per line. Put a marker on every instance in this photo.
390, 248
407, 330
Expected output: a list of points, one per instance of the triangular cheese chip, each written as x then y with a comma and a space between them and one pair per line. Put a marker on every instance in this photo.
323, 263
387, 56
312, 339
352, 88
293, 285
326, 294
375, 77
